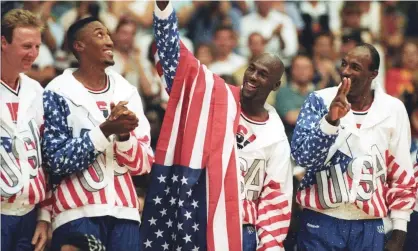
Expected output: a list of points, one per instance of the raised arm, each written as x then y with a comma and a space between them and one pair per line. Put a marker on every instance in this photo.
167, 41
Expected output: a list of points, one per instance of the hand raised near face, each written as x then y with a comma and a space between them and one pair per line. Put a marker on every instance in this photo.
339, 106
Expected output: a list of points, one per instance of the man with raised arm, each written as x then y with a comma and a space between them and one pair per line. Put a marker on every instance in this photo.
353, 142
263, 154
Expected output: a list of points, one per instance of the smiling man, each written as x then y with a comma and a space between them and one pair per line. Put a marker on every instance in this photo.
263, 149
92, 146
23, 182
353, 142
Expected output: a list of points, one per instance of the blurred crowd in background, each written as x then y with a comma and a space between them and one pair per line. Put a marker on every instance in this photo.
311, 37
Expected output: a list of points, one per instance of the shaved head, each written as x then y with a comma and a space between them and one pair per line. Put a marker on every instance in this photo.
273, 62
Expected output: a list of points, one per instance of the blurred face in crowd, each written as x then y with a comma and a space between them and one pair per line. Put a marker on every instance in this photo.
323, 47
224, 42
410, 56
351, 17
356, 65
23, 49
256, 44
261, 77
204, 54
124, 37
95, 44
302, 70
264, 7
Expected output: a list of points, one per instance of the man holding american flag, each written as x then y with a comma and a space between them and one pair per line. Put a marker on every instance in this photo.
199, 197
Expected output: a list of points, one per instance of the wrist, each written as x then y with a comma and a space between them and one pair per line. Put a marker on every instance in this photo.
331, 122
104, 129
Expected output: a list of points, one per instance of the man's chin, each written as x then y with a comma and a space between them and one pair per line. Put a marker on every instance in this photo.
109, 62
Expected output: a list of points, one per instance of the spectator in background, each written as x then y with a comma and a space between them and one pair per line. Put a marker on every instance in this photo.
209, 15
277, 28
393, 26
226, 60
229, 79
53, 35
399, 80
316, 17
205, 52
127, 57
290, 98
326, 74
85, 9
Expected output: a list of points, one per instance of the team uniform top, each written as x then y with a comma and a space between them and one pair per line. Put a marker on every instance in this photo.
266, 185
360, 169
23, 181
91, 174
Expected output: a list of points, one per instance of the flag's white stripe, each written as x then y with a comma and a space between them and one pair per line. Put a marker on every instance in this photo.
169, 158
199, 143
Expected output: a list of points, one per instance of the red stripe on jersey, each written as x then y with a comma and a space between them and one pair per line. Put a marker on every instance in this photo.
73, 193
102, 194
119, 192
61, 198
31, 195
39, 189
131, 191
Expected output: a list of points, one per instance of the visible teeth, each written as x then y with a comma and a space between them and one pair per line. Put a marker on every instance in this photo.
109, 52
252, 86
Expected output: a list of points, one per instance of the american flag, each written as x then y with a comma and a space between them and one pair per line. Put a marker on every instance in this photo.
193, 199
328, 183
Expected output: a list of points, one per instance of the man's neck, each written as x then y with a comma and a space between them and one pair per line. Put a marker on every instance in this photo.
91, 77
359, 103
253, 109
9, 76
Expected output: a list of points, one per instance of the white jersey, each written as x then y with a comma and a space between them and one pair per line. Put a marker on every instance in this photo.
355, 171
266, 184
416, 179
92, 173
23, 181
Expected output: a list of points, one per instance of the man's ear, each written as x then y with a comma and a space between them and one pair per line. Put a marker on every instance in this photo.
374, 74
79, 46
277, 85
4, 43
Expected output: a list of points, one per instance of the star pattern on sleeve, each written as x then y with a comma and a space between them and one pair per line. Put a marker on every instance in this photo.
168, 45
63, 153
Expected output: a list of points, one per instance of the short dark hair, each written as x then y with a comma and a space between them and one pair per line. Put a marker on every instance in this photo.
301, 55
222, 28
374, 54
73, 32
324, 34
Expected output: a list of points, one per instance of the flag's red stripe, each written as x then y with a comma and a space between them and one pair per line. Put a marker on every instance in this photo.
119, 192
194, 114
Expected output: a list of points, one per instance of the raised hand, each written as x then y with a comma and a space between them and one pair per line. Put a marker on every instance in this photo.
339, 106
162, 4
